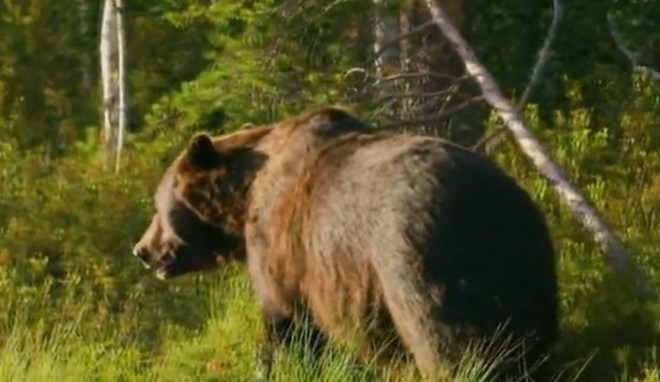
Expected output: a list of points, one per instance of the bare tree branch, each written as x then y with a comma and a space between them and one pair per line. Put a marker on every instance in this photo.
400, 37
633, 57
543, 55
496, 137
424, 74
431, 118
416, 95
385, 29
615, 253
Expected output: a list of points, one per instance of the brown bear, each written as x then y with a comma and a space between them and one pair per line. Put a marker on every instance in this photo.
364, 231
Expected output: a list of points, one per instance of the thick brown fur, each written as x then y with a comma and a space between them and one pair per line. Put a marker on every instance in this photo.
362, 231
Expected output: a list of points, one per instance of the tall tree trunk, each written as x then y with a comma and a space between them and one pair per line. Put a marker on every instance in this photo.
112, 55
121, 79
386, 29
464, 125
108, 62
427, 91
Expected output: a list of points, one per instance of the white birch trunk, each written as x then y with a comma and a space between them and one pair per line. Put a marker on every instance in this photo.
112, 51
108, 63
615, 253
121, 81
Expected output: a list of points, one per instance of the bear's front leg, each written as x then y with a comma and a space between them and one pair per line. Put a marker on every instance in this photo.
283, 330
280, 306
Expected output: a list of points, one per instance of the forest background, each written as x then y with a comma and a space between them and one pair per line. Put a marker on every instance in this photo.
75, 304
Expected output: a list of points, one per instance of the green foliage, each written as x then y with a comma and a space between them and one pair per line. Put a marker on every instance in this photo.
604, 320
266, 61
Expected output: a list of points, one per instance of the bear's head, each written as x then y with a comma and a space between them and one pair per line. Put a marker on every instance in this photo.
201, 203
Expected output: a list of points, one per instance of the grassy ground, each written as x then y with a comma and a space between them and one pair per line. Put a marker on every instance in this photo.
77, 307
222, 345
223, 348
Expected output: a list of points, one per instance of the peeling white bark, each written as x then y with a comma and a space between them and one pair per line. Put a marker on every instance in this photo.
108, 62
121, 81
112, 61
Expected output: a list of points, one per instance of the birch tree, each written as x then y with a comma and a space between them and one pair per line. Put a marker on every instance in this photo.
615, 253
121, 78
112, 51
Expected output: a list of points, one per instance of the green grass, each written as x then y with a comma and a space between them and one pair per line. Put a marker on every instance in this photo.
221, 348
117, 323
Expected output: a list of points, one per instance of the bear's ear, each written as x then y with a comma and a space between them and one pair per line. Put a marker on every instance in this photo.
201, 153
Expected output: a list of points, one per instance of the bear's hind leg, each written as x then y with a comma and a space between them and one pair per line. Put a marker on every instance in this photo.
413, 308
